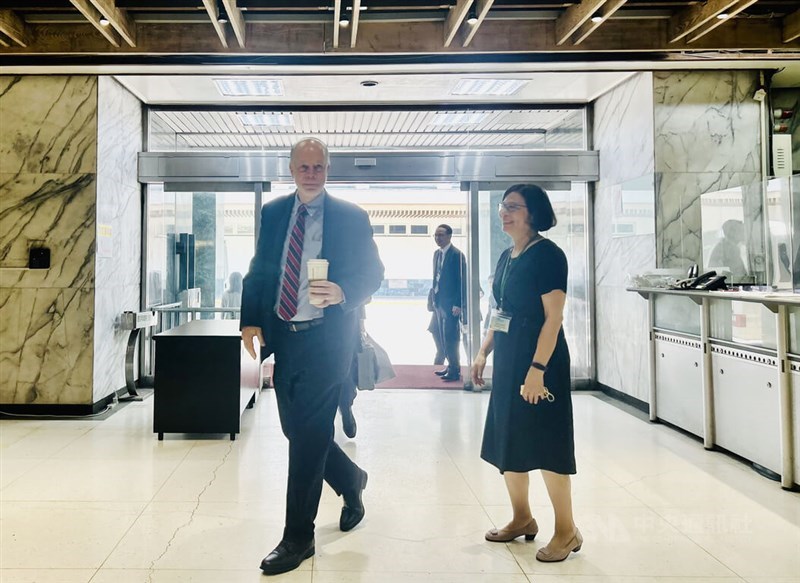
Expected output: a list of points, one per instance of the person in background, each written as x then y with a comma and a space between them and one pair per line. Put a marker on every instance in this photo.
311, 327
728, 252
529, 422
449, 298
232, 296
349, 387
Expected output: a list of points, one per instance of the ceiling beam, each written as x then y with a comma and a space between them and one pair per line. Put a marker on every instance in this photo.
574, 17
119, 19
455, 17
236, 19
590, 26
93, 15
354, 22
714, 23
14, 28
791, 26
483, 7
691, 18
3, 42
337, 14
213, 14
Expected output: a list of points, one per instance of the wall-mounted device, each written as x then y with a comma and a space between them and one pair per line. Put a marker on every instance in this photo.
39, 258
782, 154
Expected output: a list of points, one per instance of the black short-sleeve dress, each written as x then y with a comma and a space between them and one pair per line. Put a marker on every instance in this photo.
518, 436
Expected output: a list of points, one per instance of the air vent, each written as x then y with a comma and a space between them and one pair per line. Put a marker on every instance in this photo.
782, 154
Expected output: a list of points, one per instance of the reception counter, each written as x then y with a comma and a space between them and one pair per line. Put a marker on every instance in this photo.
725, 366
204, 379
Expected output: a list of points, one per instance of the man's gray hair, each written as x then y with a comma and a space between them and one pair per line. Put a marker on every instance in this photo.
317, 141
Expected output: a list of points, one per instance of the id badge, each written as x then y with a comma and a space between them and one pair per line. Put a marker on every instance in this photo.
499, 322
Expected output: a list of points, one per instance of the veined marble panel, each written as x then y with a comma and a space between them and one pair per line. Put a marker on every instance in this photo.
618, 256
110, 342
49, 124
623, 130
56, 210
46, 338
622, 342
678, 217
119, 133
118, 260
706, 121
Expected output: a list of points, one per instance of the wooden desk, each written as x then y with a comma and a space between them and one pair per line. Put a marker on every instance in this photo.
204, 379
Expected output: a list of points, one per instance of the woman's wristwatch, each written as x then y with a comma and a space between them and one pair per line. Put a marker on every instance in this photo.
538, 366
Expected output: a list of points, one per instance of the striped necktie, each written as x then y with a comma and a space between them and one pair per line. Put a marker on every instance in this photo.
287, 308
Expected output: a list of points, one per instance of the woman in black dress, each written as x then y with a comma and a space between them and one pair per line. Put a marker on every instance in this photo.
529, 422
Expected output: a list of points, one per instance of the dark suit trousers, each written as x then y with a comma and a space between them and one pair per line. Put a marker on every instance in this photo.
308, 376
451, 335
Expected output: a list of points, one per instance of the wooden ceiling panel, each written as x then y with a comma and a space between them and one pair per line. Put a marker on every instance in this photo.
291, 27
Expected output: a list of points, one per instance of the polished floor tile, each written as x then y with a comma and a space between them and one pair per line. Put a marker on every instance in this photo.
103, 501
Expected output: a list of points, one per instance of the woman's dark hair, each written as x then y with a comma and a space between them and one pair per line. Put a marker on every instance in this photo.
540, 211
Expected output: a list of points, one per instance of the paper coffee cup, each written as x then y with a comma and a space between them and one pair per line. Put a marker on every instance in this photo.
317, 270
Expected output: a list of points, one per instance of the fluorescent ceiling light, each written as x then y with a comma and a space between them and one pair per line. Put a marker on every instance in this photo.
488, 86
251, 87
458, 118
266, 119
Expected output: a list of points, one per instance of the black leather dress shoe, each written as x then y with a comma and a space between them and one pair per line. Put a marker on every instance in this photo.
441, 373
353, 510
287, 556
449, 378
349, 423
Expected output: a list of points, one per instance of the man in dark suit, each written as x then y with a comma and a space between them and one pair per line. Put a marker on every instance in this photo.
312, 328
449, 293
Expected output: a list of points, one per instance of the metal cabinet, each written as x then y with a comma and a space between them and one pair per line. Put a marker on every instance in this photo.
679, 382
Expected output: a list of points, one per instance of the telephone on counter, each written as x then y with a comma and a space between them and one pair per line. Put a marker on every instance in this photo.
708, 281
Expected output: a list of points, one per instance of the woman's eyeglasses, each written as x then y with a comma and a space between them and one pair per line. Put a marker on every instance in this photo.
509, 207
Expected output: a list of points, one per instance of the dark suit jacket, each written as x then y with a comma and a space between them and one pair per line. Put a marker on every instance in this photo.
353, 259
452, 280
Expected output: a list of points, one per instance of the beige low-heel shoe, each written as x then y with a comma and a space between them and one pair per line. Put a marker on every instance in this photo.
501, 535
548, 555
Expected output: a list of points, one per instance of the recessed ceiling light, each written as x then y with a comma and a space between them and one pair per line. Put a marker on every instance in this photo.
369, 83
249, 87
458, 118
104, 21
488, 86
280, 119
723, 15
597, 18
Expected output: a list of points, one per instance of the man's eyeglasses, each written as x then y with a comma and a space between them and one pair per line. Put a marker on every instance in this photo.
510, 207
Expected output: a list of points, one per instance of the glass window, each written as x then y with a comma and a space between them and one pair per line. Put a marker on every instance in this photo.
220, 230
378, 229
419, 229
397, 229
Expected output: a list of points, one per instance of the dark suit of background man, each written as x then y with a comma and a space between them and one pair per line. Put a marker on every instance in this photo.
313, 345
449, 293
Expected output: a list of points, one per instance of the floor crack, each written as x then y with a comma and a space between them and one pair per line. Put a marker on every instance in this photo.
152, 566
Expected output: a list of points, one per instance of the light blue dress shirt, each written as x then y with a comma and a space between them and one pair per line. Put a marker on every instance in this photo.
312, 249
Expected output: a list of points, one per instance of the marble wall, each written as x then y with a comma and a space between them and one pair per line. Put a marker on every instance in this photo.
47, 198
119, 234
707, 138
623, 134
67, 182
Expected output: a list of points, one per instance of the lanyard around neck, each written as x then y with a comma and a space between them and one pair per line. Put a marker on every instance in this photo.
507, 268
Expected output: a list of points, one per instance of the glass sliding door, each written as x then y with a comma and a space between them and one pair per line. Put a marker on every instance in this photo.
200, 239
570, 234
